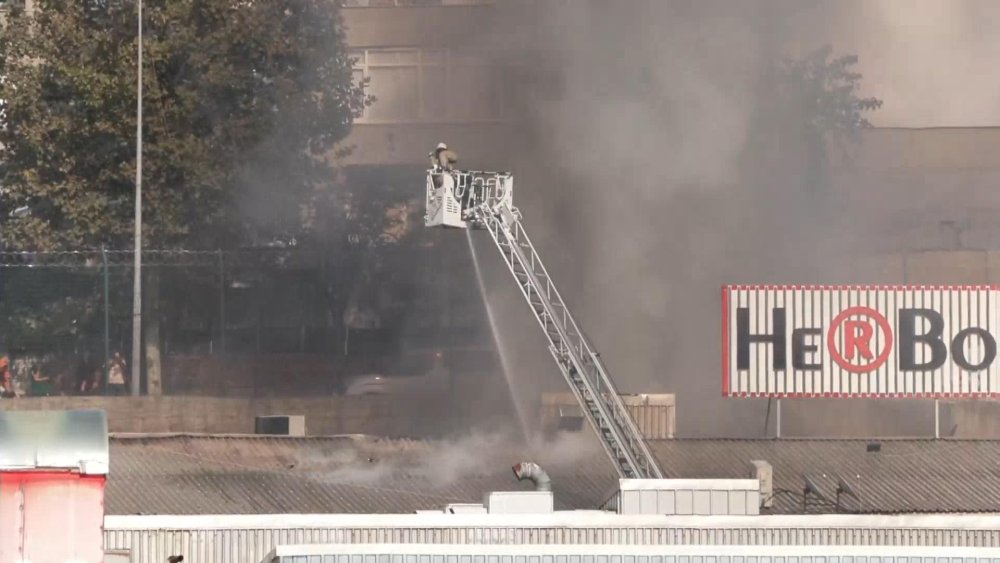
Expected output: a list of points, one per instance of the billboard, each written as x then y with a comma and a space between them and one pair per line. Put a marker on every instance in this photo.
860, 341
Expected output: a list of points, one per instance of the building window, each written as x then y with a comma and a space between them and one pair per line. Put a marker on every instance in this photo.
428, 85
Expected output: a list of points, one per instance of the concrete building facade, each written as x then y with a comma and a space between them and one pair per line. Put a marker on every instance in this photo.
432, 80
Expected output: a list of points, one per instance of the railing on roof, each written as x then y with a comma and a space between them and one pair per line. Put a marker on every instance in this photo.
153, 257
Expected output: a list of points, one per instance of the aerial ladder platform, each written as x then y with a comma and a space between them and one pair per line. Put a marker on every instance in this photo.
468, 199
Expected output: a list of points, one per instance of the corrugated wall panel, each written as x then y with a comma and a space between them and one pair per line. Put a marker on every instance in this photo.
707, 557
651, 554
239, 545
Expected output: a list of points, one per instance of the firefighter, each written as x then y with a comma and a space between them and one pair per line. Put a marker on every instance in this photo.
443, 159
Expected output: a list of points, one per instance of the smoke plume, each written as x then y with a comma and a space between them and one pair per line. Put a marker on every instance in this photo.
437, 464
654, 165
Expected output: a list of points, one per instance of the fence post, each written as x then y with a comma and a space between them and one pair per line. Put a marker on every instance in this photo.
107, 328
222, 303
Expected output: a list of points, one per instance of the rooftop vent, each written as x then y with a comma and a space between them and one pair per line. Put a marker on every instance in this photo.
764, 473
533, 472
280, 425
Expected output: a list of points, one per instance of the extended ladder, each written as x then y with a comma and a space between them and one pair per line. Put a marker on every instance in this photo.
579, 363
483, 200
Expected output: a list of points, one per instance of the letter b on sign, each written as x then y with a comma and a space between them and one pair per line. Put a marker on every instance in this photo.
931, 340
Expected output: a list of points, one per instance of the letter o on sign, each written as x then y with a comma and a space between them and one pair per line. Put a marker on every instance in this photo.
958, 348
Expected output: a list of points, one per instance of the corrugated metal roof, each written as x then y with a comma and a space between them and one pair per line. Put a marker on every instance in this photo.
267, 475
906, 475
39, 440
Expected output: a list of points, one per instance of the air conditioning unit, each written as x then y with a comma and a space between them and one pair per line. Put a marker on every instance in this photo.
280, 425
570, 418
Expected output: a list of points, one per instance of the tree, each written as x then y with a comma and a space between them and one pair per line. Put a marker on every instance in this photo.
244, 104
820, 93
825, 92
805, 106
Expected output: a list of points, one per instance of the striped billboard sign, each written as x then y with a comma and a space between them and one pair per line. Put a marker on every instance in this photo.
860, 341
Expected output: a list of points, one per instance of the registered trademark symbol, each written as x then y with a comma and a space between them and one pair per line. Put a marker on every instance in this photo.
852, 336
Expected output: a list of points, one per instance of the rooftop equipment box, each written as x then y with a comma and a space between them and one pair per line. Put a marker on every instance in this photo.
280, 425
704, 497
53, 466
519, 502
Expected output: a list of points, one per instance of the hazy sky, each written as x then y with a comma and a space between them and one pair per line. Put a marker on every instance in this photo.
933, 62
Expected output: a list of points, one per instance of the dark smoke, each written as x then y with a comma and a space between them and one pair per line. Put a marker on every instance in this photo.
656, 163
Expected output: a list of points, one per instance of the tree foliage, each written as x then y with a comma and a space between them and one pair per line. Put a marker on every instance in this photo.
244, 104
824, 90
806, 106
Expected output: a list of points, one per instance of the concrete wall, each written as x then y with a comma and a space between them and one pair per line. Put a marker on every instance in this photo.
970, 419
428, 416
412, 415
438, 26
480, 146
920, 189
949, 267
655, 415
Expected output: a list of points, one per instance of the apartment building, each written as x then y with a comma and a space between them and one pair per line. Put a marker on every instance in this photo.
432, 69
428, 64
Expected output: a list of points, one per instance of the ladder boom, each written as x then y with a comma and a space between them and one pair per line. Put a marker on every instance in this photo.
578, 361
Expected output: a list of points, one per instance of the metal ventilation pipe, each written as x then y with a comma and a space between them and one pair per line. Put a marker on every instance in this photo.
534, 472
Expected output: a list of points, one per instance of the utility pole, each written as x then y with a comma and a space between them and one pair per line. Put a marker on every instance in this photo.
137, 269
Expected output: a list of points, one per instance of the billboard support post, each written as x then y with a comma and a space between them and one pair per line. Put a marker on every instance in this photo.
937, 419
777, 418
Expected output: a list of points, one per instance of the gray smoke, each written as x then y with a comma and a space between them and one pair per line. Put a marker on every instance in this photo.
933, 57
653, 167
439, 463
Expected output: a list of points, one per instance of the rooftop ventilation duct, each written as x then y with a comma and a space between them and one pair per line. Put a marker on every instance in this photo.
534, 472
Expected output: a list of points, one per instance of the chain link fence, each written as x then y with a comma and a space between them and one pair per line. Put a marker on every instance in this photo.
66, 317
263, 322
